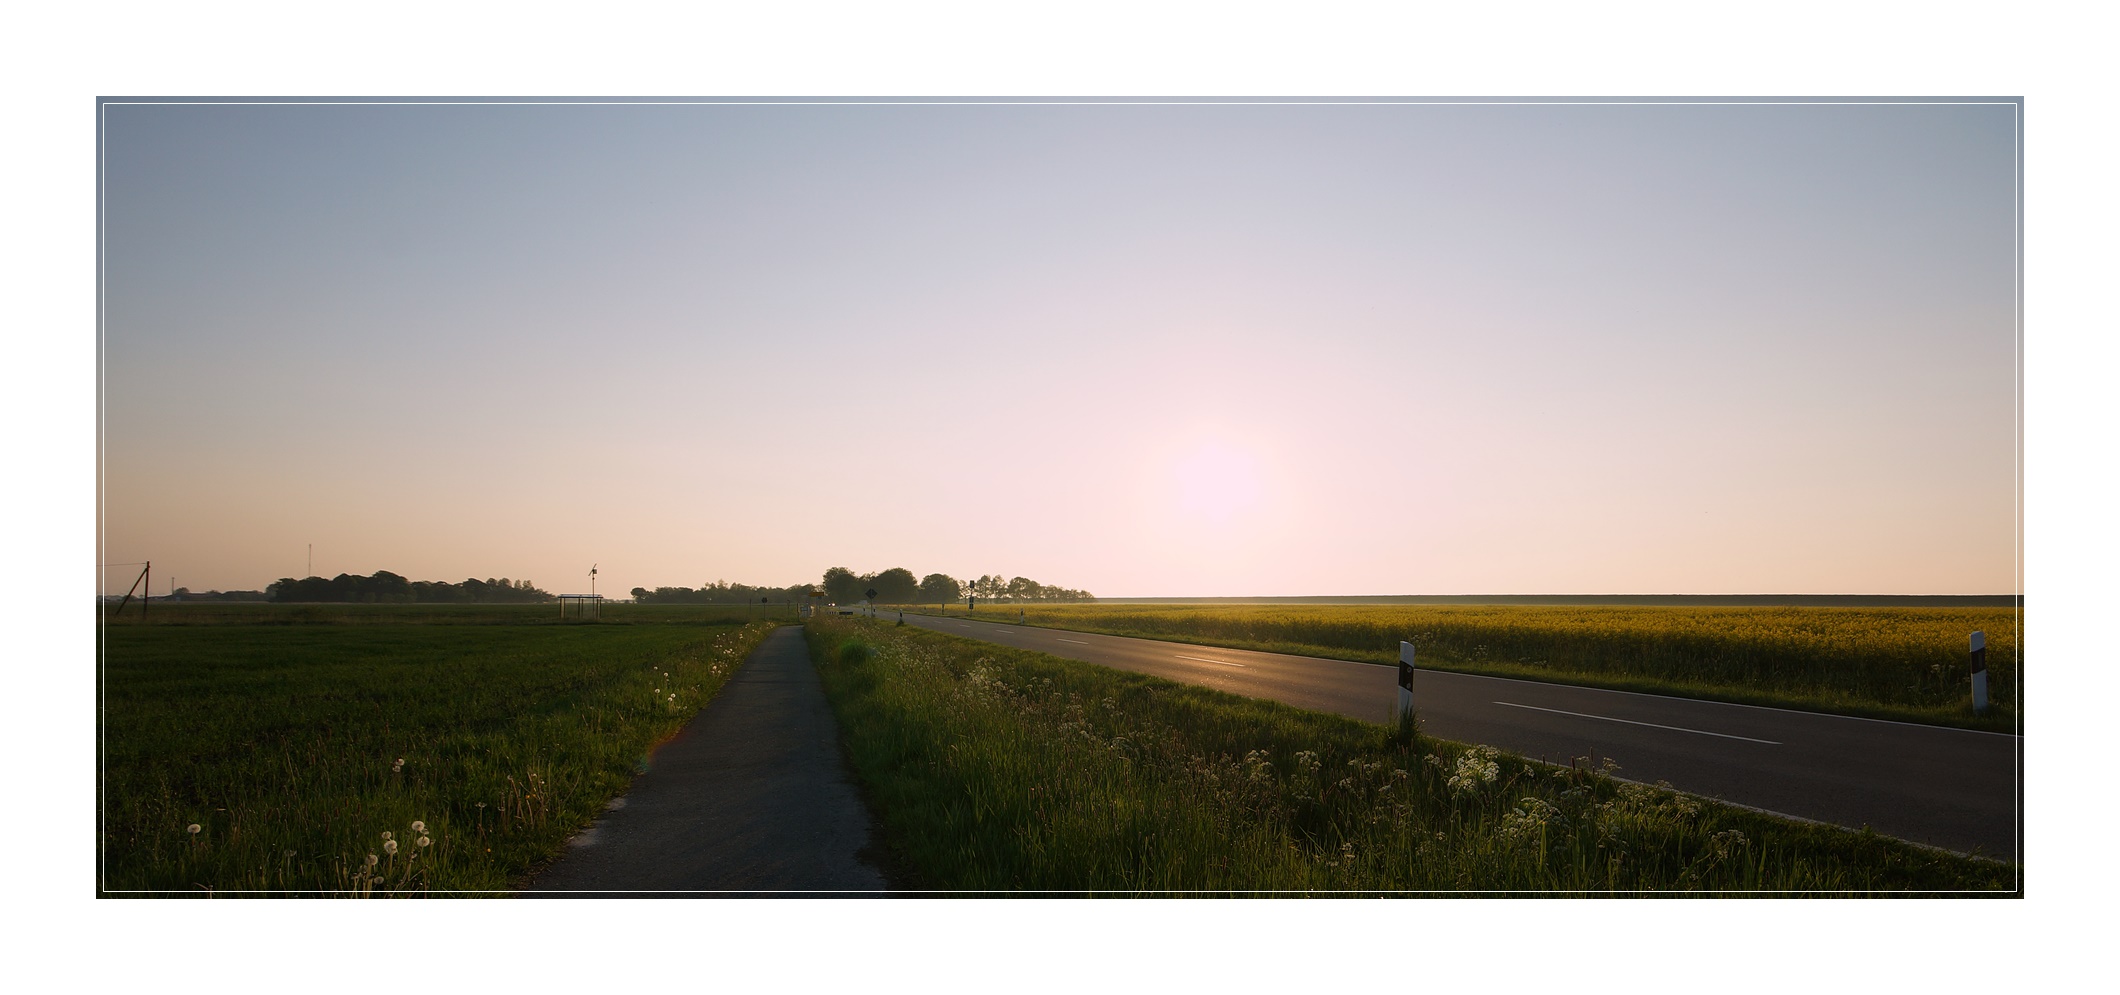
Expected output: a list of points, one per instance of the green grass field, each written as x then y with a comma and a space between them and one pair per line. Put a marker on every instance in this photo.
1897, 663
356, 750
1005, 770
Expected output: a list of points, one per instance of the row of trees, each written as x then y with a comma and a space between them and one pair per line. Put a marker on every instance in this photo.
721, 593
187, 594
897, 586
384, 587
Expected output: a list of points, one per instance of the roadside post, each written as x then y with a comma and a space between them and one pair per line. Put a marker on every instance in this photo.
1978, 645
1405, 681
872, 602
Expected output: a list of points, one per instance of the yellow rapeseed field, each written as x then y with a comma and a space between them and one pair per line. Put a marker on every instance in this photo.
1891, 662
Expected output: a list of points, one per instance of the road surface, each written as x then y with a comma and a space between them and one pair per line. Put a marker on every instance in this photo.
750, 797
1951, 788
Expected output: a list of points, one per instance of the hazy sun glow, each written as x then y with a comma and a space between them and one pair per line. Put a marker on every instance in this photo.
1217, 482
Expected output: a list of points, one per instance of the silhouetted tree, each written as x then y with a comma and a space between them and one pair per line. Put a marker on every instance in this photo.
895, 586
940, 589
843, 586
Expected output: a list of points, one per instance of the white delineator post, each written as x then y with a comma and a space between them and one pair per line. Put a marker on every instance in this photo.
1979, 647
1405, 680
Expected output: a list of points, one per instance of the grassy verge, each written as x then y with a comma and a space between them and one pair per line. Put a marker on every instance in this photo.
995, 769
1907, 664
365, 758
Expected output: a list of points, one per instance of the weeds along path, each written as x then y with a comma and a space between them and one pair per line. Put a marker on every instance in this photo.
752, 796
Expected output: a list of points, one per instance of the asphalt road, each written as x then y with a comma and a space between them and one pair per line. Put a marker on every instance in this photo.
750, 797
1952, 788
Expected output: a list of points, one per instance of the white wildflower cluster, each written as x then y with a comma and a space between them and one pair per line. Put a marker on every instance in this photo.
1724, 844
1307, 761
1476, 768
1257, 768
1528, 820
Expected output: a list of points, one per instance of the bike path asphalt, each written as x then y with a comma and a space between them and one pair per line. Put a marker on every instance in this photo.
751, 797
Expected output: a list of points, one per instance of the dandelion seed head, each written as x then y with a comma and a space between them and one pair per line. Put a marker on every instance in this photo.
390, 847
192, 829
419, 826
373, 860
424, 841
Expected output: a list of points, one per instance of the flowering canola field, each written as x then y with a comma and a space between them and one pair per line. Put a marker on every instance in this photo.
1903, 663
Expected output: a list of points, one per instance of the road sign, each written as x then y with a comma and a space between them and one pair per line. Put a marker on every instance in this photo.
1405, 679
1978, 644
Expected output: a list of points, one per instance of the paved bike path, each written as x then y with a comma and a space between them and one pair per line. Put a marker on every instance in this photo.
752, 796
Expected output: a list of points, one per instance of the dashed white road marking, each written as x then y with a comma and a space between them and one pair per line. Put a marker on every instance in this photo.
1203, 659
1631, 722
1077, 642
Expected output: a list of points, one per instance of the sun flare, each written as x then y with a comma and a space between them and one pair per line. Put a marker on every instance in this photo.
1217, 482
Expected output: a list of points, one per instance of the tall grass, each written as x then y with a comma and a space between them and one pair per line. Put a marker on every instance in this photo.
995, 769
1903, 663
369, 758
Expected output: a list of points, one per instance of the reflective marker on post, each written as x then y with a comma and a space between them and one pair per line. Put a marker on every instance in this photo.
1405, 679
1979, 647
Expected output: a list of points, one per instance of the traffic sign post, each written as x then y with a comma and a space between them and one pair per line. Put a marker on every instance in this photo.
1978, 644
872, 602
1405, 681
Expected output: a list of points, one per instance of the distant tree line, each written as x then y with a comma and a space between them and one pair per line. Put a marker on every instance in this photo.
897, 586
384, 587
187, 594
721, 593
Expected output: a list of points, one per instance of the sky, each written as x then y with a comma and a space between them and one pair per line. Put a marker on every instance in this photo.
1146, 350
